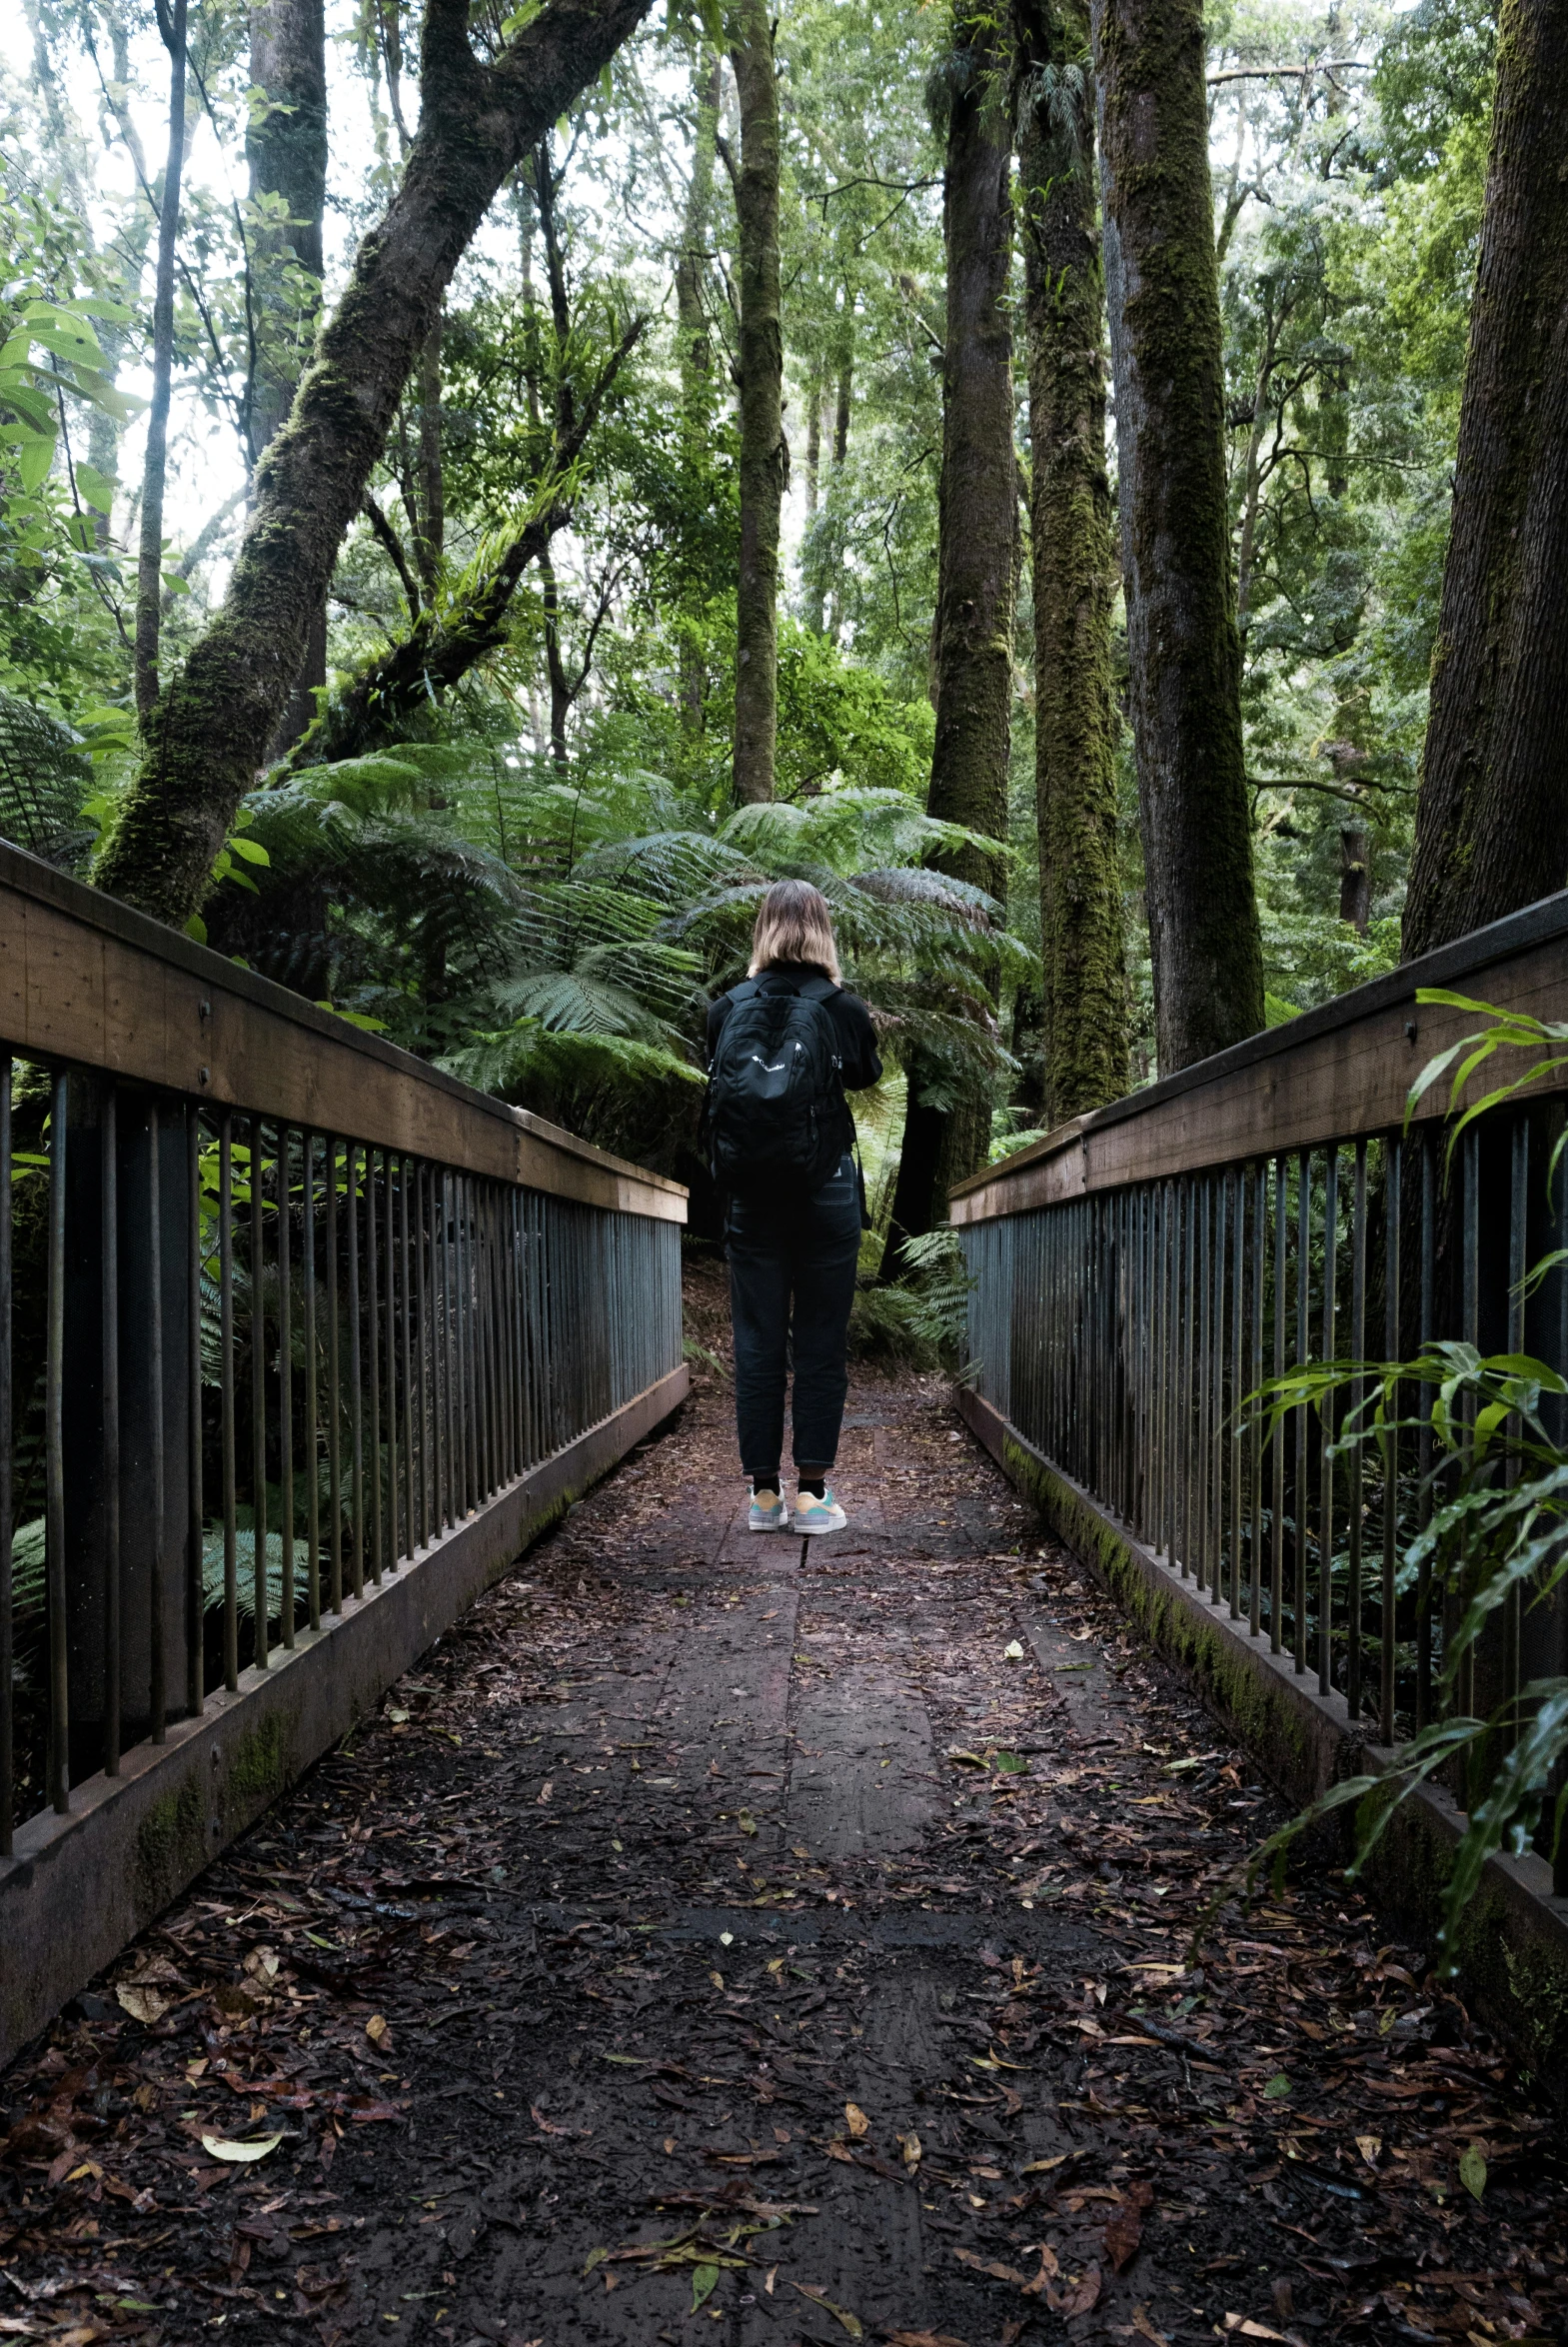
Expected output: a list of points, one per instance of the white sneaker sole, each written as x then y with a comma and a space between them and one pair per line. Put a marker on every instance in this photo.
781, 1525
807, 1530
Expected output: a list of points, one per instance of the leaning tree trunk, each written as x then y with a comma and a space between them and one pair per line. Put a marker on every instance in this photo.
149, 568
1085, 1020
1164, 298
206, 734
765, 457
286, 146
1492, 816
978, 524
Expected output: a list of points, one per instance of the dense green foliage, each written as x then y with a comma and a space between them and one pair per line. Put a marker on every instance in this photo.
541, 885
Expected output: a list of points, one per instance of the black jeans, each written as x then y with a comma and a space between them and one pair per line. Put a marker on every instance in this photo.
804, 1250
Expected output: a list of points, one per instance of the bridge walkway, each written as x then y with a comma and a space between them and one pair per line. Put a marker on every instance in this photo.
775, 1941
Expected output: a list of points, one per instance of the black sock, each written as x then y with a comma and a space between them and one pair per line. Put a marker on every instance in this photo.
765, 1482
816, 1485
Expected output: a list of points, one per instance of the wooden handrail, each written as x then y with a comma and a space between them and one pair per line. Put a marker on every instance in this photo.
1335, 1074
88, 980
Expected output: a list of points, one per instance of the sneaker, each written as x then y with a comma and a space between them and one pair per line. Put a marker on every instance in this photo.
768, 1513
819, 1516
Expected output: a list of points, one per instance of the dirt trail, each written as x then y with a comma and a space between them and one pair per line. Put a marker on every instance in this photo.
761, 1940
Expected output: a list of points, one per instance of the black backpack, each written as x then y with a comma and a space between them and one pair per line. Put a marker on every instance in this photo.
777, 1115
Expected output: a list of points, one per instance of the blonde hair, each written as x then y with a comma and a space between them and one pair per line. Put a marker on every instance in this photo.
794, 924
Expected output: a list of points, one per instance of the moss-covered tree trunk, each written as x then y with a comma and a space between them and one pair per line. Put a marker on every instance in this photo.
1162, 294
149, 567
1084, 1012
764, 456
286, 147
976, 573
206, 738
1492, 818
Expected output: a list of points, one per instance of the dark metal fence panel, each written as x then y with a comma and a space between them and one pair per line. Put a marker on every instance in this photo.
1126, 1300
251, 1366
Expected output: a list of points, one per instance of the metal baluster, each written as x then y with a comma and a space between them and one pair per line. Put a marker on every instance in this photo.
1357, 1396
158, 1690
470, 1389
1325, 1535
1470, 1256
195, 1512
1189, 1344
1212, 1410
231, 1544
1201, 1440
312, 1397
109, 1244
1276, 1598
405, 1176
1393, 1151
446, 1258
372, 1366
395, 1549
1423, 1593
427, 1349
259, 1400
1518, 1231
1303, 1353
288, 1599
7, 1482
59, 1763
1238, 1270
356, 1374
333, 1385
1255, 1452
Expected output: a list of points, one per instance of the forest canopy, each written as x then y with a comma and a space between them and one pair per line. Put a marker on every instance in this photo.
482, 494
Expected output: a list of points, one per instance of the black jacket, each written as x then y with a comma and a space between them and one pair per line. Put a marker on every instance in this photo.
856, 1035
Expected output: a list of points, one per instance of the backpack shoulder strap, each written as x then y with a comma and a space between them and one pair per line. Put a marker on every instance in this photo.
819, 990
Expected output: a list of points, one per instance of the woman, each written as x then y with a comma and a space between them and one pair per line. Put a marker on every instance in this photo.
781, 1048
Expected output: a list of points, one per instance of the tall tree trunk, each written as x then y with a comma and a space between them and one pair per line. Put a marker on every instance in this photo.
843, 389
1492, 816
697, 230
286, 146
206, 734
149, 568
432, 497
695, 349
1084, 1014
560, 697
764, 455
977, 571
1164, 298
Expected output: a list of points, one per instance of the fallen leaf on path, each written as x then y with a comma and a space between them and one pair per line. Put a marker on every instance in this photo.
705, 2281
1143, 2325
999, 2273
923, 2339
1079, 2297
855, 2120
376, 2028
143, 2004
1472, 2170
1124, 2230
910, 2145
840, 2314
225, 2147
1240, 2326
